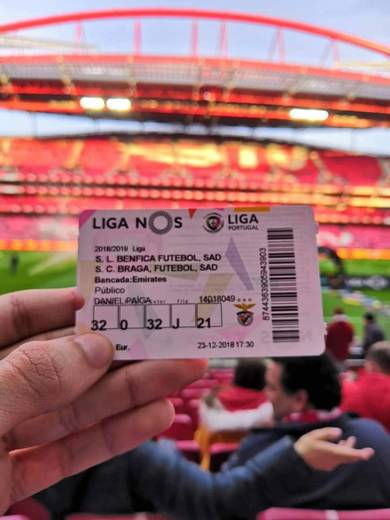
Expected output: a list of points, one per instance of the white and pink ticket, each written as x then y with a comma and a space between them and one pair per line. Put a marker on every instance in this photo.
188, 283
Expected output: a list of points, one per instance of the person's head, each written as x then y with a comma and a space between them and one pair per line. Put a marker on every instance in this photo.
299, 384
369, 317
338, 311
378, 358
250, 373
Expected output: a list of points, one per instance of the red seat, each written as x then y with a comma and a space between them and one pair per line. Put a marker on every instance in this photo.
276, 513
223, 375
193, 393
219, 453
189, 449
14, 517
373, 514
178, 404
181, 428
191, 408
29, 508
203, 383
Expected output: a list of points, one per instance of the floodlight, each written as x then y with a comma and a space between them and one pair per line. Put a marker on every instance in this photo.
308, 114
119, 104
92, 103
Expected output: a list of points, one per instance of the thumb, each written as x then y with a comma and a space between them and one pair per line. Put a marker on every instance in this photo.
40, 376
325, 434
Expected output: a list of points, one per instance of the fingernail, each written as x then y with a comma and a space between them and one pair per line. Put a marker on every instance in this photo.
97, 349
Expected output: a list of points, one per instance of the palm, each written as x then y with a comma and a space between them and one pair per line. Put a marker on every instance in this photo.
320, 451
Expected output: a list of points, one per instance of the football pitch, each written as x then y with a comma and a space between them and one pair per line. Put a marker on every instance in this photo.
354, 310
45, 270
37, 270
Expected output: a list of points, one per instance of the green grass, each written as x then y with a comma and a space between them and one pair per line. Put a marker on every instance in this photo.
355, 311
383, 296
367, 267
37, 270
356, 267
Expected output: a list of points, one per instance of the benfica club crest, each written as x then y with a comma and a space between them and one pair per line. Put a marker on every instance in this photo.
245, 316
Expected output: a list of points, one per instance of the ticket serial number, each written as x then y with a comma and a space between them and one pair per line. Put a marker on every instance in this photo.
217, 298
226, 344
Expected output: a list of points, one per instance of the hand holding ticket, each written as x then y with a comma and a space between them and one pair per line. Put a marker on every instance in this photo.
230, 282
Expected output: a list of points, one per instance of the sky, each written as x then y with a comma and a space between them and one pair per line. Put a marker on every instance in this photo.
364, 18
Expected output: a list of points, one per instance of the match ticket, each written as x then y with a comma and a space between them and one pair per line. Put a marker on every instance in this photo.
232, 282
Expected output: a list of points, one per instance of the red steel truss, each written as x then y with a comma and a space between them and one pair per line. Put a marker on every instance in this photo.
198, 88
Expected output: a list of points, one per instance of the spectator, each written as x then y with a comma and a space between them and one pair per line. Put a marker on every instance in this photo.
271, 467
369, 394
60, 413
241, 405
229, 411
372, 332
339, 337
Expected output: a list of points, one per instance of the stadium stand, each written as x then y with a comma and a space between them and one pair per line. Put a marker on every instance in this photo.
25, 228
354, 236
178, 404
240, 163
193, 393
61, 177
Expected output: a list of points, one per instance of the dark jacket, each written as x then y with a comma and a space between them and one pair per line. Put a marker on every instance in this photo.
372, 334
265, 472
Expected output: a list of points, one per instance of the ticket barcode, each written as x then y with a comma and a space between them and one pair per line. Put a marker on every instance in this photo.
283, 285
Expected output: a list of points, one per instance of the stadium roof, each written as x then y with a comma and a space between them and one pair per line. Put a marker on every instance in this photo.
198, 88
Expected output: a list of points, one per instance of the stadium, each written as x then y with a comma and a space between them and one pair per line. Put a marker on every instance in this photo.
46, 182
188, 149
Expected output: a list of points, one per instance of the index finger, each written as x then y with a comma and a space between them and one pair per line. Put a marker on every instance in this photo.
345, 454
27, 313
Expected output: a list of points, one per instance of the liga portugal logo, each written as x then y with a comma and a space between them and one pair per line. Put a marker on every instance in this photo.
213, 222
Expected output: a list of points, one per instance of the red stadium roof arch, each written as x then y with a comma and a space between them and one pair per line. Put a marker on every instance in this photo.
194, 13
196, 88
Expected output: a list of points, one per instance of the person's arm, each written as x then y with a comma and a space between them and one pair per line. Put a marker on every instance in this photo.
60, 410
180, 488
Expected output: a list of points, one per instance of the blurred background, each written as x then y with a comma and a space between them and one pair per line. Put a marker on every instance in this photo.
130, 105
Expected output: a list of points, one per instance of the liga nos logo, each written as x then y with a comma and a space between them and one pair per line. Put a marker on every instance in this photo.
213, 222
159, 222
